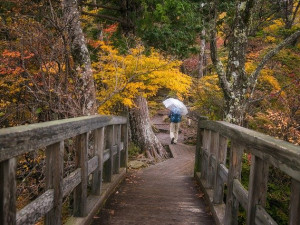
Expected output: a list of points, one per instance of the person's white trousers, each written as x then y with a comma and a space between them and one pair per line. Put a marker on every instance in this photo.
174, 129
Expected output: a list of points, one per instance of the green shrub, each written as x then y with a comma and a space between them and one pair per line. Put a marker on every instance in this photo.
133, 150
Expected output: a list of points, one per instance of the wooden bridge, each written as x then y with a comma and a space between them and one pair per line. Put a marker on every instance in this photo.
101, 164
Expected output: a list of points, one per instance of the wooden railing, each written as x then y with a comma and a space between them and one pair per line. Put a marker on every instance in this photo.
108, 154
212, 174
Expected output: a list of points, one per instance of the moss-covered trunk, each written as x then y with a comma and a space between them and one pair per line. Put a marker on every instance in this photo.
238, 86
81, 57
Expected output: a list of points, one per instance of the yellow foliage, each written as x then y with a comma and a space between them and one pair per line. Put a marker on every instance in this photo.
275, 26
269, 82
270, 39
52, 67
222, 15
120, 78
250, 67
209, 97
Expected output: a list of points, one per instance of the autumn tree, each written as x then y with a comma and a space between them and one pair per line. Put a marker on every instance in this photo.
158, 24
237, 85
130, 79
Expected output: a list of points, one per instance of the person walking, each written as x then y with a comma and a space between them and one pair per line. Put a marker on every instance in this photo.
175, 118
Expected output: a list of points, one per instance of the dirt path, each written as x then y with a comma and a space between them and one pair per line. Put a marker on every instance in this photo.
164, 193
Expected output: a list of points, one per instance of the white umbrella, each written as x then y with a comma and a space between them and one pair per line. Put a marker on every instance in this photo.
175, 105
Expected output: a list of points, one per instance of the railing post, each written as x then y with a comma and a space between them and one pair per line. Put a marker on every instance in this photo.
205, 154
124, 138
80, 192
98, 151
257, 190
108, 170
54, 180
199, 146
8, 192
118, 142
235, 167
212, 164
294, 217
221, 159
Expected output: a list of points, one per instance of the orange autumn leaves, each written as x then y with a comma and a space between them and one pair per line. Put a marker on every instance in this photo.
11, 76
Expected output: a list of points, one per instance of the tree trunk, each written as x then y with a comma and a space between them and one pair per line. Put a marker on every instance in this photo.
81, 57
288, 13
237, 86
141, 131
202, 54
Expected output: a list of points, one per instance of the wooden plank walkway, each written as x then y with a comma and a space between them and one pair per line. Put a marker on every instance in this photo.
165, 193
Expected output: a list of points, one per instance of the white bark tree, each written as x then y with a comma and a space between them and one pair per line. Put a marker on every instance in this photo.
235, 82
202, 55
81, 57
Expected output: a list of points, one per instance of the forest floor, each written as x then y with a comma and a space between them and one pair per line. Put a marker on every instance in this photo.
164, 193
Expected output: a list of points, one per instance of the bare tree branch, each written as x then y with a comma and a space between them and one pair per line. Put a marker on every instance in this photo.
215, 58
295, 12
100, 6
105, 17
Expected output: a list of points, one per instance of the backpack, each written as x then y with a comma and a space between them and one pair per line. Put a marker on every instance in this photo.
175, 117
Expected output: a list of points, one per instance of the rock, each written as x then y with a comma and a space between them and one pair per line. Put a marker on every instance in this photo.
135, 164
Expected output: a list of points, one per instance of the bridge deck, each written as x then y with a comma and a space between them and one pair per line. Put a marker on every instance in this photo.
161, 194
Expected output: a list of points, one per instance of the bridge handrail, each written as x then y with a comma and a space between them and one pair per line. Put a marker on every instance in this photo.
34, 136
108, 154
210, 168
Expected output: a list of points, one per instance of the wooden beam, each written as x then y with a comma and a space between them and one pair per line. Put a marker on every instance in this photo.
108, 170
36, 209
35, 136
262, 217
32, 212
124, 138
118, 142
258, 182
199, 146
8, 192
198, 152
281, 154
212, 169
219, 181
235, 168
240, 193
80, 192
294, 218
54, 180
98, 151
206, 145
